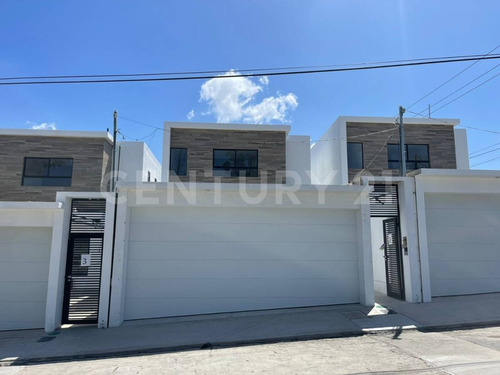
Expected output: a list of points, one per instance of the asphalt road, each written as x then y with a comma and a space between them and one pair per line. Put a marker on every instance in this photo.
474, 351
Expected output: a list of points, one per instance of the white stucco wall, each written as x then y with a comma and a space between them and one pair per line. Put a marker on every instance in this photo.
136, 159
298, 159
329, 156
461, 149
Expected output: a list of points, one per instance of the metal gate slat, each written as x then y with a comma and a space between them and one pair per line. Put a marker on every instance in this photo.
82, 290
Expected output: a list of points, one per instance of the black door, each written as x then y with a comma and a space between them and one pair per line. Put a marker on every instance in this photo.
83, 278
393, 259
83, 263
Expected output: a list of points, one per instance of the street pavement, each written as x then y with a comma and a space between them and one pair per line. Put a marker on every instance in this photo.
459, 352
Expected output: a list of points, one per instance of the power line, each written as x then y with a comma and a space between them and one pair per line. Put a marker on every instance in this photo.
265, 142
484, 148
467, 84
463, 126
452, 78
375, 157
484, 153
280, 73
226, 70
465, 93
484, 162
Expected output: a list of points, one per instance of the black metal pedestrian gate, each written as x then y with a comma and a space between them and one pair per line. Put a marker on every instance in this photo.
84, 261
393, 259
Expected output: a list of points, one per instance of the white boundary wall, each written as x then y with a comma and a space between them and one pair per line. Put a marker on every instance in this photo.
459, 222
25, 243
203, 249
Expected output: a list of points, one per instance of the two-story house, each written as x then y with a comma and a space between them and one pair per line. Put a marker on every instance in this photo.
422, 226
204, 152
236, 225
36, 164
356, 146
238, 222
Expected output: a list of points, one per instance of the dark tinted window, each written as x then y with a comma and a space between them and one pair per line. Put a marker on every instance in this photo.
235, 163
224, 158
178, 161
417, 153
417, 156
61, 167
393, 153
47, 172
354, 155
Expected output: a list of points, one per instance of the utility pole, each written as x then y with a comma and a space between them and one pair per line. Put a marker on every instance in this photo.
113, 158
402, 148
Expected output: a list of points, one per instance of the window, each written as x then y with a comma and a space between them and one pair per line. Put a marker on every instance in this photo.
178, 161
149, 176
354, 155
417, 156
235, 163
47, 172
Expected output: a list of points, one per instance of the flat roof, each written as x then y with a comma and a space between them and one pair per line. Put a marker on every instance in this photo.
57, 133
406, 120
224, 126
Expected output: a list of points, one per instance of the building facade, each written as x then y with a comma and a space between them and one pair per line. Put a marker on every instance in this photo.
36, 164
229, 153
369, 146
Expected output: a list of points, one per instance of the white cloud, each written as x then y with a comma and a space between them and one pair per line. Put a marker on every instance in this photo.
271, 108
264, 80
190, 114
42, 126
233, 99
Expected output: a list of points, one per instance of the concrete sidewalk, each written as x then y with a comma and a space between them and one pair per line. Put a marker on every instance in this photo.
169, 334
479, 309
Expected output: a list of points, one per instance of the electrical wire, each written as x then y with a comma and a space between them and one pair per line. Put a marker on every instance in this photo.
484, 162
484, 148
484, 153
465, 93
375, 157
226, 70
275, 73
457, 90
264, 142
452, 78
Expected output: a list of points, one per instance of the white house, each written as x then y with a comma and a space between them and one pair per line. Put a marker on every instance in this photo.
242, 217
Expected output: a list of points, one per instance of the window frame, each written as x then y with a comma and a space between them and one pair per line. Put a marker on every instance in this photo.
170, 161
428, 161
362, 155
48, 176
236, 167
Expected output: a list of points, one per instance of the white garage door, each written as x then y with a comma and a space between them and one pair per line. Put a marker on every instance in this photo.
463, 233
24, 271
194, 260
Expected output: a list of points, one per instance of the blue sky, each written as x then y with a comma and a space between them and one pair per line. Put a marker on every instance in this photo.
54, 37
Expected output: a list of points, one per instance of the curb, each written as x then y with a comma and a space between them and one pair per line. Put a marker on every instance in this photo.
458, 326
170, 349
238, 343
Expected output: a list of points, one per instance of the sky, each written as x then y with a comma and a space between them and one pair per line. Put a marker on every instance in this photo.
54, 37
